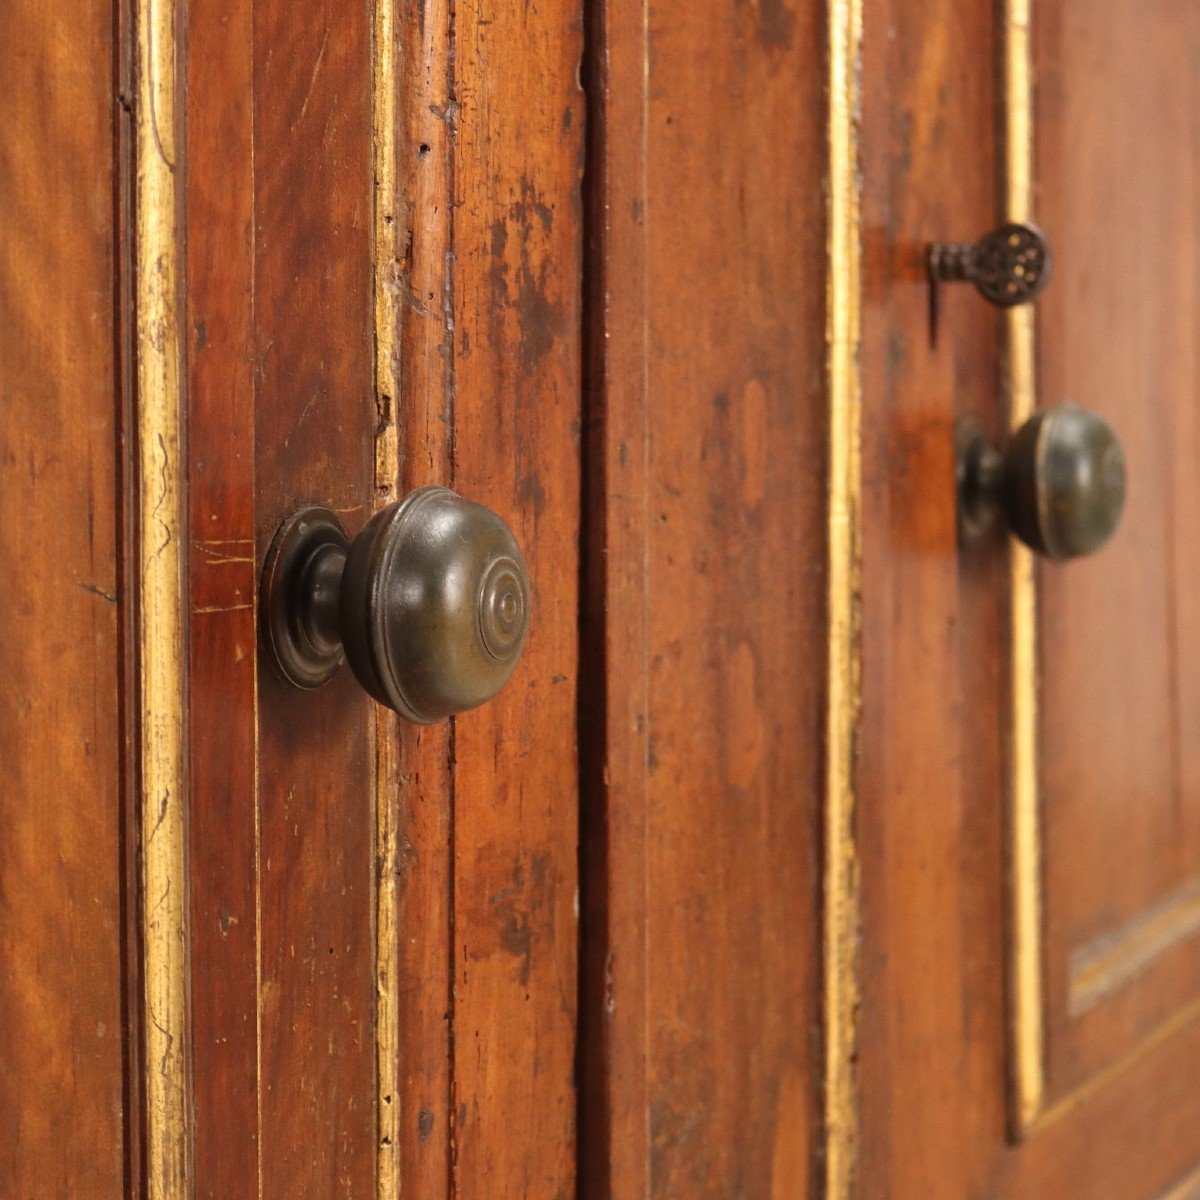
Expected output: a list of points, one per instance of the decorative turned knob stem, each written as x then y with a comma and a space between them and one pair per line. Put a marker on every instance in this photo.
429, 604
1060, 485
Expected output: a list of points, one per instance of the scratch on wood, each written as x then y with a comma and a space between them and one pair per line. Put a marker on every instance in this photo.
98, 591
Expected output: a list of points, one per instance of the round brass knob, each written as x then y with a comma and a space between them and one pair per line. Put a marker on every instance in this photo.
429, 604
1060, 485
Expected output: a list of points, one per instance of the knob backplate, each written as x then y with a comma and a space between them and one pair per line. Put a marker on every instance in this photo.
304, 542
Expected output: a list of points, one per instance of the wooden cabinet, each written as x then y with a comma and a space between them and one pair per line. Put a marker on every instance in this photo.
813, 850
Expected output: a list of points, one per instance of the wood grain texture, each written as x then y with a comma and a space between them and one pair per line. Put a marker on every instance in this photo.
223, 627
1120, 699
280, 287
706, 602
426, 436
931, 1072
314, 419
935, 1063
516, 124
61, 823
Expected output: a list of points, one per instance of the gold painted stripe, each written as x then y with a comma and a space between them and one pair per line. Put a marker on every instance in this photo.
1104, 964
387, 478
1019, 385
1187, 1188
843, 336
1075, 1100
160, 553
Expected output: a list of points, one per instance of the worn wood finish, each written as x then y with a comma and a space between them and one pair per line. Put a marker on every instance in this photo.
935, 1055
225, 851
314, 415
706, 608
517, 125
282, 410
928, 924
423, 411
62, 1024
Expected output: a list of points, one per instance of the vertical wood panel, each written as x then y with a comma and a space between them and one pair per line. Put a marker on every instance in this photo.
708, 568
315, 416
425, 149
219, 211
516, 120
61, 829
930, 1073
1123, 204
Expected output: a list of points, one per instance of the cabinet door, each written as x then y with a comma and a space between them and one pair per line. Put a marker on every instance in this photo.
260, 940
381, 272
1031, 792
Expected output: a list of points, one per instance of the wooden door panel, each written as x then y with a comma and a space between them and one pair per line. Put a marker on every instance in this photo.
383, 294
513, 330
950, 1043
64, 953
931, 1070
281, 409
223, 582
1117, 128
707, 609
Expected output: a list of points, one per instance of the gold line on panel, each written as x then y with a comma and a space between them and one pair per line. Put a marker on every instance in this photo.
1187, 1188
387, 472
1107, 962
1073, 1101
843, 335
1025, 866
160, 553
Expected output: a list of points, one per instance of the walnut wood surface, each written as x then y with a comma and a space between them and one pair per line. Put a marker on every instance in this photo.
662, 414
930, 1067
62, 830
221, 390
515, 294
705, 602
282, 410
1119, 164
1114, 97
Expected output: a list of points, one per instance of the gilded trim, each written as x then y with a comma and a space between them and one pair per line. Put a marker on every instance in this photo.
1109, 961
1025, 835
160, 561
387, 473
1050, 1114
843, 336
1187, 1188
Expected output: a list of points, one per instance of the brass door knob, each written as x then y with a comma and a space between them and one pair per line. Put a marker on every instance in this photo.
1060, 485
429, 604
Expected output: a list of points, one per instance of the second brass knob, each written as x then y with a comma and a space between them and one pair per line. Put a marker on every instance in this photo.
1059, 485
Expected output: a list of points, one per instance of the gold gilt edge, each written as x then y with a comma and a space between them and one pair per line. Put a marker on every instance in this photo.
385, 256
160, 597
1026, 969
843, 337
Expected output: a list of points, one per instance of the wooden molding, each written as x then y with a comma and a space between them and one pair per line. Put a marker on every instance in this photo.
160, 572
844, 301
385, 255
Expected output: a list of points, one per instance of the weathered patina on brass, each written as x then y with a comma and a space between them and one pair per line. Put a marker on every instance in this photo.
429, 604
1060, 485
